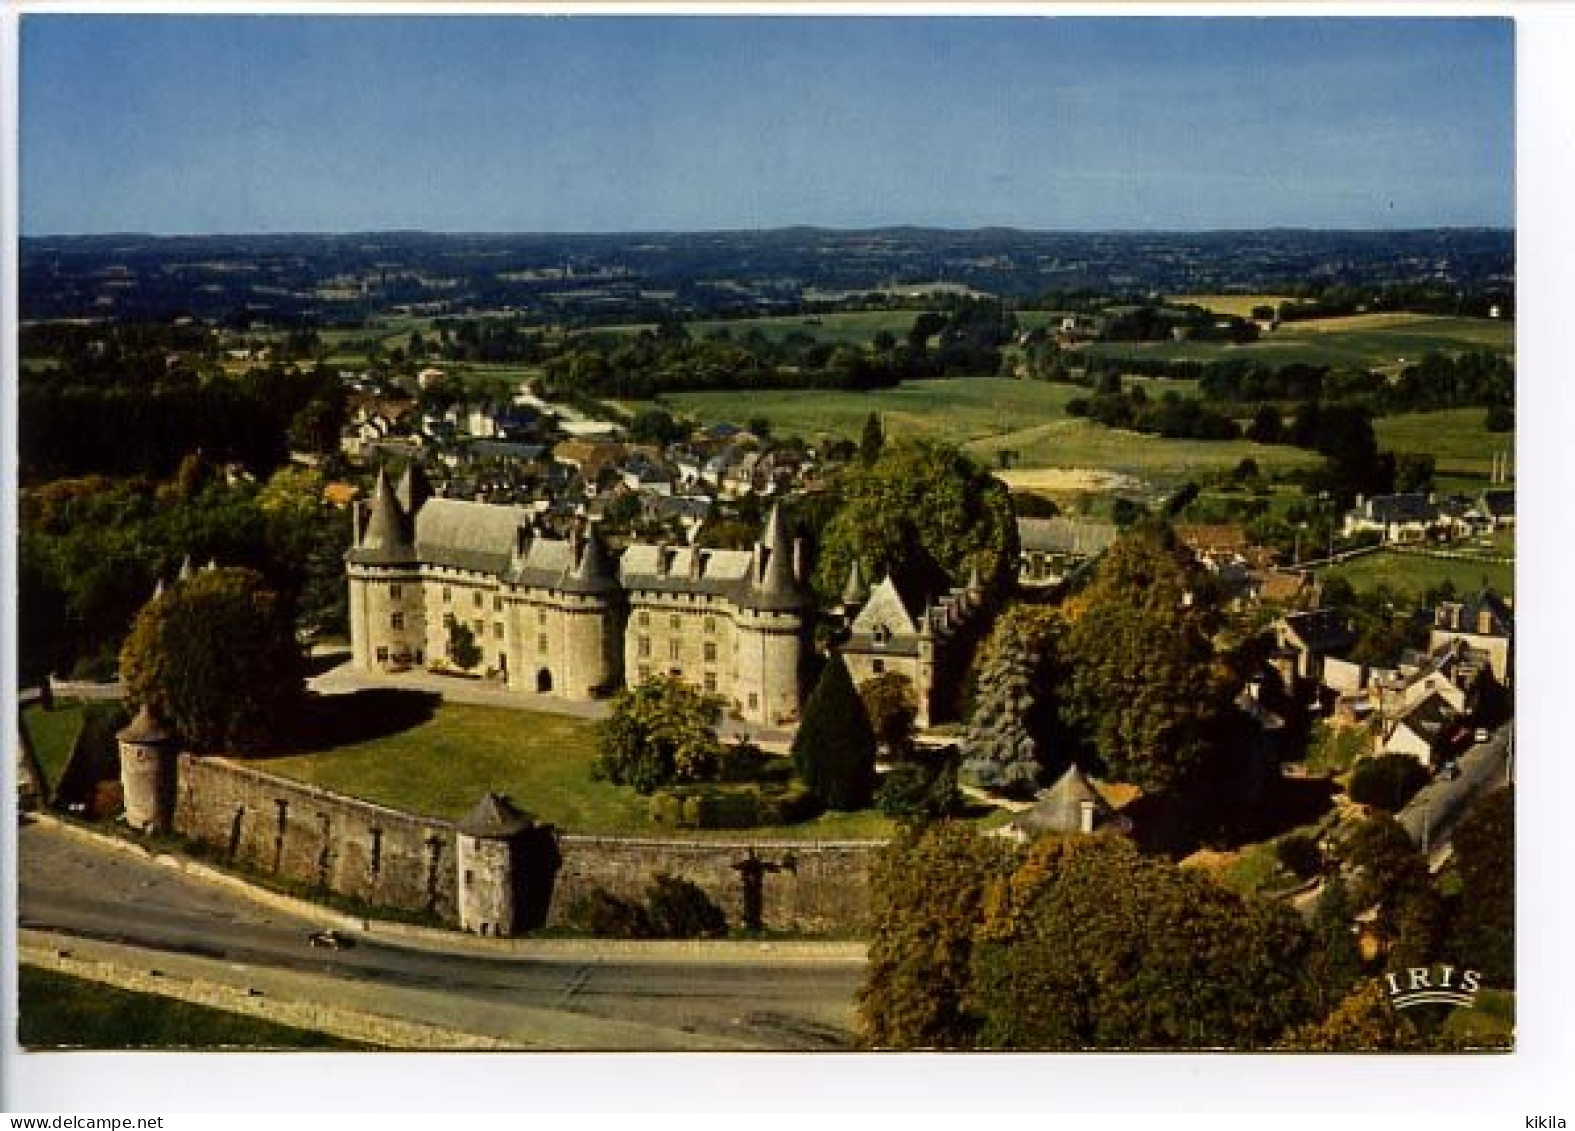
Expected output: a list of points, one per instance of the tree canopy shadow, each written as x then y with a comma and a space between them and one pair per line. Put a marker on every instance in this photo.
1177, 825
328, 721
320, 662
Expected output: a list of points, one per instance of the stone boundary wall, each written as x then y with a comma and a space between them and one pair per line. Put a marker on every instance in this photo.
86, 689
802, 885
388, 858
316, 838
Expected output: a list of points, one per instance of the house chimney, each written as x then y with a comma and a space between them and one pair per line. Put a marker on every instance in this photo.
1085, 816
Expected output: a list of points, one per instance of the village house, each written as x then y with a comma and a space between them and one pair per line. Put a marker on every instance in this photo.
1052, 547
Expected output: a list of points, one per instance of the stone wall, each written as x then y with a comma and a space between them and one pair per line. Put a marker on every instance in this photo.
392, 859
806, 886
316, 838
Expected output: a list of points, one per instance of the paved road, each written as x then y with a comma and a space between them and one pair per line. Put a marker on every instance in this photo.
1433, 813
73, 887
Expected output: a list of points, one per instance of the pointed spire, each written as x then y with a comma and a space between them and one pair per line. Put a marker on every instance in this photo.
384, 540
158, 588
975, 585
414, 488
185, 569
213, 564
855, 592
595, 571
776, 532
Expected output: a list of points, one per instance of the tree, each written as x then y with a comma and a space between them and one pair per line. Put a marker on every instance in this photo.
889, 703
1005, 744
1364, 1021
921, 509
463, 651
662, 732
1143, 683
926, 894
1089, 944
679, 909
1414, 471
834, 749
1387, 781
871, 440
1484, 928
1335, 962
1267, 426
215, 657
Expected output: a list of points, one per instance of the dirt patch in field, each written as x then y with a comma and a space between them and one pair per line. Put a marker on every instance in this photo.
1066, 479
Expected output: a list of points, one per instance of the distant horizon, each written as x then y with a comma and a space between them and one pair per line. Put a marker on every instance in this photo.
1288, 229
184, 125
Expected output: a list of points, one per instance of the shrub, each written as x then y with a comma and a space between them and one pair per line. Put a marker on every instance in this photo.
918, 790
1386, 782
678, 909
1299, 855
732, 807
609, 916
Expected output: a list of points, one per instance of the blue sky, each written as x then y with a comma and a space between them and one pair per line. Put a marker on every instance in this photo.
198, 124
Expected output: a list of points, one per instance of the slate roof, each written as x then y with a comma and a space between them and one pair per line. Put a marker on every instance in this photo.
1499, 503
1060, 809
1065, 535
685, 569
1321, 630
494, 816
467, 535
1428, 718
145, 730
385, 539
1413, 507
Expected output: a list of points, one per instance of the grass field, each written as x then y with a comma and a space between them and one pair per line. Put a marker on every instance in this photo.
1239, 305
59, 1011
1457, 437
1414, 573
1364, 341
53, 734
987, 415
543, 762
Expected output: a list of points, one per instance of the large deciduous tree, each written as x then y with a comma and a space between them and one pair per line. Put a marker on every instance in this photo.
1090, 945
662, 732
216, 657
1144, 685
919, 506
926, 897
834, 749
1484, 842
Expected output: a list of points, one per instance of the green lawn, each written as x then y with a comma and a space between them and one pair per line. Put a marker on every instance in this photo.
543, 762
986, 415
1372, 347
53, 734
1457, 437
59, 1011
1414, 573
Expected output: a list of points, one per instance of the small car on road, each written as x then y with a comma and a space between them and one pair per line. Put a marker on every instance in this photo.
330, 940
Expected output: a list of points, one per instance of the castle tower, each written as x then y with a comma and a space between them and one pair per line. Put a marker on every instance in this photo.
592, 614
854, 594
488, 847
147, 773
773, 622
386, 606
414, 489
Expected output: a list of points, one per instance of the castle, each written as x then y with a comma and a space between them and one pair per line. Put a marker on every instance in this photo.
563, 617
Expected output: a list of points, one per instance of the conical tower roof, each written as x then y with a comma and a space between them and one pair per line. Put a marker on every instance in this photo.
855, 592
384, 541
414, 488
1061, 808
145, 730
777, 588
496, 817
595, 572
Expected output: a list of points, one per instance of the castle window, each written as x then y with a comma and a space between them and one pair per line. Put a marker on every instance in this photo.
497, 604
643, 619
645, 672
448, 620
475, 599
645, 645
710, 652
710, 624
675, 623
447, 595
754, 701
478, 627
878, 666
710, 683
394, 592
382, 655
541, 616
541, 642
397, 622
672, 649
882, 634
497, 629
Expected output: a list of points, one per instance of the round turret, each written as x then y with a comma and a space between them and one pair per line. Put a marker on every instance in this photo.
147, 773
488, 844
